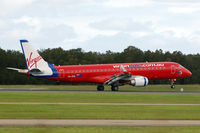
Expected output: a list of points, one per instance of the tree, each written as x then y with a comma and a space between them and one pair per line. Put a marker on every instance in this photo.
59, 56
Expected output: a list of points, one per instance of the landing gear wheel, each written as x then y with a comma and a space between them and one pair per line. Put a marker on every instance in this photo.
172, 83
172, 86
100, 88
114, 88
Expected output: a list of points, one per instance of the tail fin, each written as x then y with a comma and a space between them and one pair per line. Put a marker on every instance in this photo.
36, 65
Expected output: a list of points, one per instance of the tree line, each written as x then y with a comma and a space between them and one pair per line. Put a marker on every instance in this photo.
59, 56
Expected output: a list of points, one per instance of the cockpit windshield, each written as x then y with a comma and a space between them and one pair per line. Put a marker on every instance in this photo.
180, 66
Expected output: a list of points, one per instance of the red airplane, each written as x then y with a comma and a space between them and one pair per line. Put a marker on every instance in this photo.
135, 74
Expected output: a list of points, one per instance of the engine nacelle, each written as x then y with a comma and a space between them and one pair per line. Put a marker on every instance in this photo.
139, 81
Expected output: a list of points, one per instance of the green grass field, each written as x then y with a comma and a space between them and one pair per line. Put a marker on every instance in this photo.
107, 88
74, 97
99, 129
21, 111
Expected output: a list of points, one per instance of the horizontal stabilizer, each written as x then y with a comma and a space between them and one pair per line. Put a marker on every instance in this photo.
35, 71
17, 69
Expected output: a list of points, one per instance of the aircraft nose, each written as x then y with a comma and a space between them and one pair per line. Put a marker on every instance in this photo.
187, 73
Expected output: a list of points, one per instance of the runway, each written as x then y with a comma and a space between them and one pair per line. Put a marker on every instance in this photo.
94, 91
81, 122
112, 104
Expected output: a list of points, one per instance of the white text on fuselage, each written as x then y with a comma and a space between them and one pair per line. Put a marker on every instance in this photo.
140, 65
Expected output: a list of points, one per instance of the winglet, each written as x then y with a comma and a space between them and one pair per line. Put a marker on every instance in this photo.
123, 69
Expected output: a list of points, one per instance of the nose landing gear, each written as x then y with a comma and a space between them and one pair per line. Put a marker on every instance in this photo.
172, 83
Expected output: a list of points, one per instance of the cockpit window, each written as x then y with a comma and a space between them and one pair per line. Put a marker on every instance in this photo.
180, 66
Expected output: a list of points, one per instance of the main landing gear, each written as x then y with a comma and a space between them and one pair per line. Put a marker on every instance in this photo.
172, 83
113, 88
100, 88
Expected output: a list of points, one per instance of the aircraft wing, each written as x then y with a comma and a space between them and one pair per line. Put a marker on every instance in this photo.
122, 76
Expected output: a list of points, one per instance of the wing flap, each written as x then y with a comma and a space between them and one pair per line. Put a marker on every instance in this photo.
115, 78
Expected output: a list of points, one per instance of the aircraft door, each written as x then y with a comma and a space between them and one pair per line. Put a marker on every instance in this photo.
61, 73
173, 69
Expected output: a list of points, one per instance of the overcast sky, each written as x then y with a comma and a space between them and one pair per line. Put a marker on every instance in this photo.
101, 25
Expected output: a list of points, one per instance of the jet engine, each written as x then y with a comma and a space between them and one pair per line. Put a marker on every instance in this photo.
139, 81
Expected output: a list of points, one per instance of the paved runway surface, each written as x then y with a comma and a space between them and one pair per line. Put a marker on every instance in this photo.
88, 91
113, 104
80, 122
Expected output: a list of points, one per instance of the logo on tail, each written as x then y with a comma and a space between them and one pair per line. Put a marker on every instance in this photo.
31, 62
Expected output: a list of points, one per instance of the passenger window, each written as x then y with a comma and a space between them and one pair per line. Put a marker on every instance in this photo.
90, 70
149, 68
129, 69
75, 71
108, 69
79, 70
101, 70
94, 70
72, 71
87, 70
133, 68
97, 70
105, 70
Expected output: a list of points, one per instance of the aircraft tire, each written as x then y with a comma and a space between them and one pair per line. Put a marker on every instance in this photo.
114, 88
100, 88
172, 86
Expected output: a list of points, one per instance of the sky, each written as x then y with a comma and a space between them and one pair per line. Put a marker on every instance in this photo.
102, 25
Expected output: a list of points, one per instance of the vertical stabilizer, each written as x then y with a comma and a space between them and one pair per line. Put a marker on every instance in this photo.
36, 65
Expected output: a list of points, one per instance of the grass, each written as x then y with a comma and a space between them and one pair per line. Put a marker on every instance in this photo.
107, 88
30, 111
73, 97
83, 129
